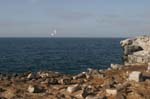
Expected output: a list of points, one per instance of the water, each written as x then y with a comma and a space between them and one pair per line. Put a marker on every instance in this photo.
67, 55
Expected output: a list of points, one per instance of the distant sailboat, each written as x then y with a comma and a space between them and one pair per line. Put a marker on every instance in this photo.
53, 33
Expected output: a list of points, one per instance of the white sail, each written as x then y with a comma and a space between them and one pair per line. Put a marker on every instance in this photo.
53, 33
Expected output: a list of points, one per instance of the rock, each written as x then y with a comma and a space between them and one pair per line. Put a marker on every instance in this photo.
52, 81
135, 95
79, 76
115, 66
95, 97
43, 74
73, 88
135, 76
120, 96
111, 92
148, 67
89, 90
60, 96
30, 76
65, 81
136, 50
35, 89
31, 89
93, 73
123, 86
126, 42
79, 95
108, 68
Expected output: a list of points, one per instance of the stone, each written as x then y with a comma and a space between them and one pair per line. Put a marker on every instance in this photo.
148, 67
134, 95
135, 76
126, 42
81, 75
120, 96
52, 81
43, 74
115, 66
30, 76
73, 88
136, 50
79, 95
31, 89
111, 92
89, 90
122, 86
65, 81
95, 97
35, 89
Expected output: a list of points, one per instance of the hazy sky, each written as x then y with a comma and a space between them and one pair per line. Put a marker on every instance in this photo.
74, 18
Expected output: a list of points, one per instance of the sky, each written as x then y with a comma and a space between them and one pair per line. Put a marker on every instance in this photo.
74, 18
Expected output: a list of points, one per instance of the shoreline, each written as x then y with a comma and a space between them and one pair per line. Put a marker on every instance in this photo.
86, 85
121, 81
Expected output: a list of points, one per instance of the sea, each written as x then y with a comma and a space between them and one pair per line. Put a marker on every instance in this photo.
65, 55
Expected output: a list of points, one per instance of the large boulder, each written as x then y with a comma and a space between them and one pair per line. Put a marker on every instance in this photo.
135, 76
136, 50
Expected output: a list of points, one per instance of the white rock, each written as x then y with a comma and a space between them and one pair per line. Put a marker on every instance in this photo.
115, 66
108, 68
148, 68
126, 42
111, 91
73, 88
30, 76
135, 76
31, 89
43, 74
35, 89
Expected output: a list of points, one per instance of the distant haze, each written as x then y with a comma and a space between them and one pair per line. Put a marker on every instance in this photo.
74, 18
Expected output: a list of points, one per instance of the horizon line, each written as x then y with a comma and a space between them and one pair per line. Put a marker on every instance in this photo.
63, 37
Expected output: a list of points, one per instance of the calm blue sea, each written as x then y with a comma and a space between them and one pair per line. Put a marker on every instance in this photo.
67, 55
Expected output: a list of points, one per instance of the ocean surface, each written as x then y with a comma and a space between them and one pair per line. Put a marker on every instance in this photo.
66, 55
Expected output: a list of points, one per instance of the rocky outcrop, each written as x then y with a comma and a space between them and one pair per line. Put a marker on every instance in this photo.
136, 50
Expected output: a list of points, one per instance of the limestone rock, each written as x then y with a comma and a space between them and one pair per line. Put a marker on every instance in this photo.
136, 50
30, 76
73, 88
135, 76
148, 67
79, 76
35, 89
111, 92
115, 66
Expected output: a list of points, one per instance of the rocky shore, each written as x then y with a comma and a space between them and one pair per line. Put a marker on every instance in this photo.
121, 81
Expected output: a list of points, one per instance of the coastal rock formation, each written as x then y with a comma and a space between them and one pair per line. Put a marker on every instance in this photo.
136, 50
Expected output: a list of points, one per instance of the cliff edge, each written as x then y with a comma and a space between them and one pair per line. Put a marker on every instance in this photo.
136, 50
